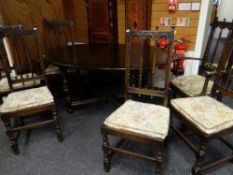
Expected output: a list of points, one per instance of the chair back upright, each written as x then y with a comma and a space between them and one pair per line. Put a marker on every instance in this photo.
223, 84
217, 44
26, 69
2, 29
143, 60
59, 39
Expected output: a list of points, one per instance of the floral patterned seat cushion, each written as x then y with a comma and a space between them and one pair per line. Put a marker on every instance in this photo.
24, 99
206, 113
191, 85
141, 118
51, 70
4, 85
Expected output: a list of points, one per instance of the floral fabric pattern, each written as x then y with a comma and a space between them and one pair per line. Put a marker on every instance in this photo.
4, 85
192, 85
24, 99
141, 118
208, 114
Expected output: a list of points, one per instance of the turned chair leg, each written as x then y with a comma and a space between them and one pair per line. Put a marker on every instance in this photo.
158, 159
106, 161
200, 157
57, 126
10, 134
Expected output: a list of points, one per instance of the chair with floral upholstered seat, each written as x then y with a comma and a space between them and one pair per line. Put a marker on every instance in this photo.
4, 86
201, 84
140, 121
29, 94
208, 117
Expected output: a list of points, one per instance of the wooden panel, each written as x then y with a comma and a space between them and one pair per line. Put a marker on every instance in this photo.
160, 10
178, 14
121, 21
98, 17
156, 23
166, 1
138, 14
76, 11
30, 13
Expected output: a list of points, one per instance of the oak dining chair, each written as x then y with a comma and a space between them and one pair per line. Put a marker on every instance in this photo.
201, 84
29, 95
208, 117
137, 120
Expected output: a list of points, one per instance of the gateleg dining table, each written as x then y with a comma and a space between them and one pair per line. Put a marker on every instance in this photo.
95, 57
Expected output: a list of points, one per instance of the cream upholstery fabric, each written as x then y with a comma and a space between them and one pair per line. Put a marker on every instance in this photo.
51, 70
141, 118
26, 98
208, 114
191, 85
4, 86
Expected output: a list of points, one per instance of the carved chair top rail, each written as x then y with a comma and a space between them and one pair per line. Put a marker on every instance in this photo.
25, 54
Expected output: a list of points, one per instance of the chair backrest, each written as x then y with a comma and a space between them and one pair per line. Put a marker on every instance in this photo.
216, 45
223, 84
27, 69
8, 27
143, 60
59, 38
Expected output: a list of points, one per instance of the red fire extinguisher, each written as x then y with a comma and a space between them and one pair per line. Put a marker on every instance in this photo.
180, 49
172, 5
163, 43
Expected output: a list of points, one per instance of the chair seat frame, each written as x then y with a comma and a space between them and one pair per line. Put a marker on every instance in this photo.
21, 38
139, 90
221, 87
200, 151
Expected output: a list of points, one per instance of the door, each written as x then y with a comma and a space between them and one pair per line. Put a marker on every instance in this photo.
138, 14
101, 23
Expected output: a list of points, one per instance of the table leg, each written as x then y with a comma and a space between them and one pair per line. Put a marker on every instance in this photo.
66, 91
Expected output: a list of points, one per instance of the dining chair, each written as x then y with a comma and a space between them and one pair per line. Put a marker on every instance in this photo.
136, 120
25, 101
59, 34
208, 117
201, 84
60, 41
4, 86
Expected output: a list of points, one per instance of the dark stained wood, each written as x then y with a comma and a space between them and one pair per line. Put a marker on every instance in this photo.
138, 14
102, 21
30, 13
139, 73
98, 57
209, 61
76, 11
103, 57
59, 34
25, 62
222, 88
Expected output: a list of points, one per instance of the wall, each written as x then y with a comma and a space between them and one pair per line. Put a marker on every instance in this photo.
29, 13
76, 11
160, 10
225, 12
121, 21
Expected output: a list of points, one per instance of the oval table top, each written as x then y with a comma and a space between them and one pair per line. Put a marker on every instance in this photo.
102, 56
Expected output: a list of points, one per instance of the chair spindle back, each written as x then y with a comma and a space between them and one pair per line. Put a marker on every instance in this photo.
143, 60
27, 69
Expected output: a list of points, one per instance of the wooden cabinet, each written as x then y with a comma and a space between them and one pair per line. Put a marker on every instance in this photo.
102, 21
138, 14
